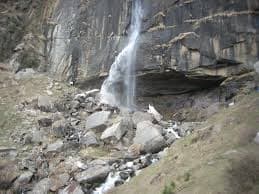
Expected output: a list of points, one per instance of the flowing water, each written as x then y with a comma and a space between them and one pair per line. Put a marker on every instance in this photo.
119, 88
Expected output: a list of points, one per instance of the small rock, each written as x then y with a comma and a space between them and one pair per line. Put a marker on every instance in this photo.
124, 175
59, 128
118, 183
93, 174
256, 139
25, 74
89, 139
45, 122
24, 178
41, 187
138, 117
45, 104
97, 120
38, 136
8, 173
72, 188
155, 113
75, 104
55, 147
58, 181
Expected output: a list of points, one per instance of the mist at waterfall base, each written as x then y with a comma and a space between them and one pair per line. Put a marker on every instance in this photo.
119, 88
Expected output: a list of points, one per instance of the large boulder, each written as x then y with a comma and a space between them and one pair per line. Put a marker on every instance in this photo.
97, 120
55, 147
89, 139
118, 130
149, 135
139, 116
93, 174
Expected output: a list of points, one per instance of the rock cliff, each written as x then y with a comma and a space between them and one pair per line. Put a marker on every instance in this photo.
185, 45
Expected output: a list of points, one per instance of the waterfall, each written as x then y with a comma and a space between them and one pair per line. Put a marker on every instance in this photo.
119, 88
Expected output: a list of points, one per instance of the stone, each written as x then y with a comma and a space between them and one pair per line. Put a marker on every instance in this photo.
89, 139
149, 136
138, 117
256, 139
45, 103
72, 188
58, 181
55, 147
75, 104
124, 175
93, 174
97, 120
24, 178
44, 122
155, 113
38, 136
59, 128
8, 173
25, 74
118, 130
42, 187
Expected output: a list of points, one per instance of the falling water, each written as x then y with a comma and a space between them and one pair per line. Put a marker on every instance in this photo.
119, 88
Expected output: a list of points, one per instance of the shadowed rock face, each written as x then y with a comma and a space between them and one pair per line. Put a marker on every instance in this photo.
196, 42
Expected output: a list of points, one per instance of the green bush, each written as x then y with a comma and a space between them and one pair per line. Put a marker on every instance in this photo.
169, 189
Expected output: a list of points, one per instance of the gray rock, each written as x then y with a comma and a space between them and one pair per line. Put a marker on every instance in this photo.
97, 120
24, 178
59, 128
55, 147
42, 187
93, 174
72, 188
44, 122
75, 104
25, 74
256, 139
89, 139
38, 136
8, 173
119, 129
45, 104
58, 181
149, 136
138, 117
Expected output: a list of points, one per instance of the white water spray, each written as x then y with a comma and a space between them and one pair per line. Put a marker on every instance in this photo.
119, 88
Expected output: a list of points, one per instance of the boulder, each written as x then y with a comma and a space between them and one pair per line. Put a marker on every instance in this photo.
118, 130
138, 117
25, 74
42, 187
72, 188
149, 136
24, 178
55, 147
89, 139
44, 122
45, 104
8, 173
97, 120
155, 113
58, 181
38, 136
59, 128
93, 174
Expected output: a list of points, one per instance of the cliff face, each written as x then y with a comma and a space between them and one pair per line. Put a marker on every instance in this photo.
185, 44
